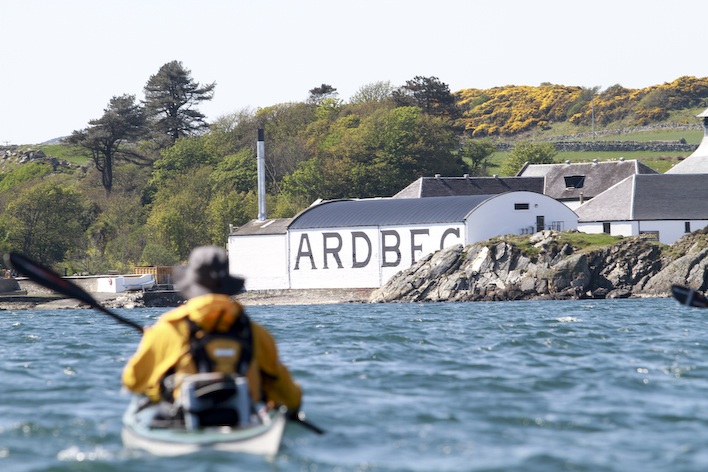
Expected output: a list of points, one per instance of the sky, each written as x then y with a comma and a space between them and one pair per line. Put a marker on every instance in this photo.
61, 61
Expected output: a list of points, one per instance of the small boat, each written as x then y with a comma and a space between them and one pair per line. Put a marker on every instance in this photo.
262, 436
688, 296
122, 283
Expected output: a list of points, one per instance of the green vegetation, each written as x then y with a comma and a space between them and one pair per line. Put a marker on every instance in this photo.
577, 240
585, 241
150, 179
660, 161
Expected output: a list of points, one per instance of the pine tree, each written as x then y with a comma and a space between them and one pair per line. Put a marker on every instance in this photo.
171, 97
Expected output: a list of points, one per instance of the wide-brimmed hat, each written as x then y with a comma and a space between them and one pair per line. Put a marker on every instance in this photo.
207, 271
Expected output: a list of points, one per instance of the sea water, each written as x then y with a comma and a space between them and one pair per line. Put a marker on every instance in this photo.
595, 385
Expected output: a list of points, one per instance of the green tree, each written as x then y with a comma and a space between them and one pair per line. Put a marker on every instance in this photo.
230, 208
526, 152
178, 219
406, 144
116, 237
323, 92
112, 137
429, 94
477, 153
171, 98
236, 172
45, 221
376, 155
374, 92
185, 154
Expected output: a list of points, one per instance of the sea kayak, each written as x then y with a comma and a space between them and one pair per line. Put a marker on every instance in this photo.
262, 436
688, 296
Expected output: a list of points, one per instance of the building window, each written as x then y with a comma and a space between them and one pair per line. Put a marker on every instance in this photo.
606, 228
687, 227
574, 181
650, 235
521, 206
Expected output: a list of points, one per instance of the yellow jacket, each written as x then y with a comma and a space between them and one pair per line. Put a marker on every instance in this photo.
166, 345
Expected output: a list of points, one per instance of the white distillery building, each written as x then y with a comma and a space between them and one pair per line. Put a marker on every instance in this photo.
663, 206
363, 243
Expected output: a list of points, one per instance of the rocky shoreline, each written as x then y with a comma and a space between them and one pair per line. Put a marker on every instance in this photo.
169, 299
547, 266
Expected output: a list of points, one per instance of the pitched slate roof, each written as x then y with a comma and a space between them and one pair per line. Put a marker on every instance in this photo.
568, 181
697, 162
650, 197
446, 186
387, 211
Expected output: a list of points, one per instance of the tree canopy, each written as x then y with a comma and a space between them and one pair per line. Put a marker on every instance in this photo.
527, 152
171, 99
112, 137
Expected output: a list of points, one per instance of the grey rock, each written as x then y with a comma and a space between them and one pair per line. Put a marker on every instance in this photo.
499, 270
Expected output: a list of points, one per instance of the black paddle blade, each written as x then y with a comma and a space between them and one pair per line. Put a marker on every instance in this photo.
53, 281
48, 278
688, 296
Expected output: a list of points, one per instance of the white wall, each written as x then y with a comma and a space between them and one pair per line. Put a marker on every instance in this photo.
498, 216
261, 259
669, 231
326, 258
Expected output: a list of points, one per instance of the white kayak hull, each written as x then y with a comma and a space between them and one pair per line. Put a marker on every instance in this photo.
259, 439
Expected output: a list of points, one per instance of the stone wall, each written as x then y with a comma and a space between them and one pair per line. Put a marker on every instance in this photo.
616, 146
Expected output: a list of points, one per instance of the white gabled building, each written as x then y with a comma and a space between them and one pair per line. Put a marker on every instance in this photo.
363, 243
666, 206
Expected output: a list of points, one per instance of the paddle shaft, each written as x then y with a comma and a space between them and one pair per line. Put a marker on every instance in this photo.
300, 418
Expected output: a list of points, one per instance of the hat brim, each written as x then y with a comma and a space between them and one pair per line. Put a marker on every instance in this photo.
186, 283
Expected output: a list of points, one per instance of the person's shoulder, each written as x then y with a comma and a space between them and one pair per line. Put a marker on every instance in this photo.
176, 314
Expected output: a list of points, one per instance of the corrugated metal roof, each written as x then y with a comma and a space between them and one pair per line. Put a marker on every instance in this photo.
388, 211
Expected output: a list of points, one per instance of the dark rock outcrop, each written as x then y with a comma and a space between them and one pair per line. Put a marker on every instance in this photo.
545, 267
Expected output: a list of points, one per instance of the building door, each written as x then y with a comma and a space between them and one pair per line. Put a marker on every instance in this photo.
540, 223
606, 228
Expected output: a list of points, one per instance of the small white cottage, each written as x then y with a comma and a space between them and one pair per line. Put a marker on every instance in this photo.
663, 206
363, 243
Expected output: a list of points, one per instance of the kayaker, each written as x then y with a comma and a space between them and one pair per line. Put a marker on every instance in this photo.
167, 349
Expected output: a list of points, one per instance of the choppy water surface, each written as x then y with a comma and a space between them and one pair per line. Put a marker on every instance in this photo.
616, 385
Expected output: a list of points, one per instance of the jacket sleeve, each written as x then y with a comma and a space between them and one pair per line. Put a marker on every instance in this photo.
159, 350
277, 384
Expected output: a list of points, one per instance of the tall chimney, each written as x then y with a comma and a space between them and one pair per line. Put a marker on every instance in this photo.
260, 155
